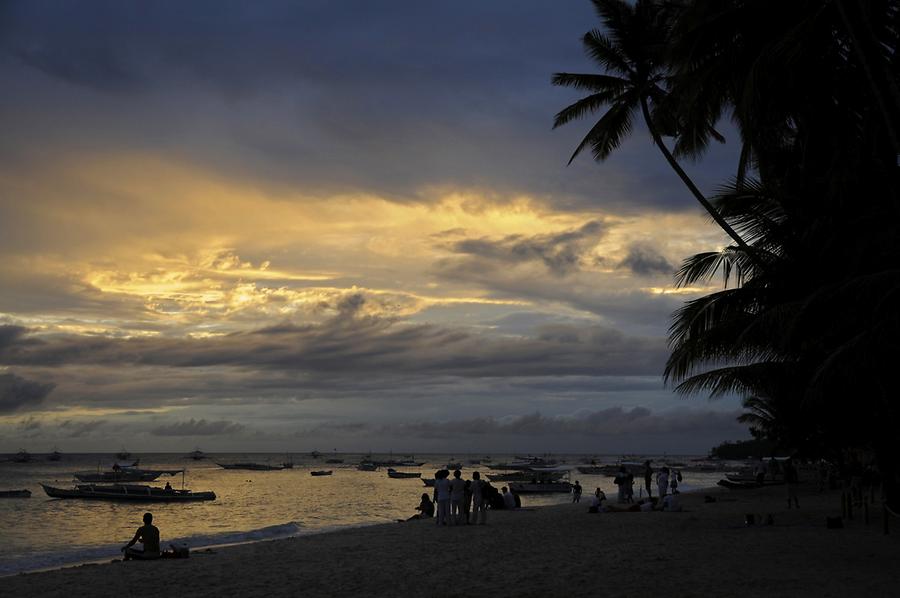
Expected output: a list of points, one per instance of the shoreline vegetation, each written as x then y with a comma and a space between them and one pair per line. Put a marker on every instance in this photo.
706, 550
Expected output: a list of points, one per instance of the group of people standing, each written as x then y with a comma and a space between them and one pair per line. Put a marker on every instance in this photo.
462, 502
667, 481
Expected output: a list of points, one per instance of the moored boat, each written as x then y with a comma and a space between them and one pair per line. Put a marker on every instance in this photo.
321, 472
123, 455
127, 492
400, 475
15, 493
124, 474
54, 455
334, 460
367, 466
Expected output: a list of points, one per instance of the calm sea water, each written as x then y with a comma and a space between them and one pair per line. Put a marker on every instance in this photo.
42, 532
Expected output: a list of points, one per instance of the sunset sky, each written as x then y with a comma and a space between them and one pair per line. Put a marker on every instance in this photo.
316, 225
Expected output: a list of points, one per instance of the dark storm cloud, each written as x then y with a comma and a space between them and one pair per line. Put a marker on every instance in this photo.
354, 346
615, 421
80, 428
394, 98
198, 427
561, 253
18, 393
646, 260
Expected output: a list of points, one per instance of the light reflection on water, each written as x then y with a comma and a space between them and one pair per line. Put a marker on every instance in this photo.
41, 531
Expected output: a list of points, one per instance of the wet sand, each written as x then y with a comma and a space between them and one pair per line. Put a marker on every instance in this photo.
705, 551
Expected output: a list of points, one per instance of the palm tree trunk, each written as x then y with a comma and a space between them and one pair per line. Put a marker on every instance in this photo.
693, 188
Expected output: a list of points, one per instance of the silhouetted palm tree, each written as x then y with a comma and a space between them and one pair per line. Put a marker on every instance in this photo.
635, 79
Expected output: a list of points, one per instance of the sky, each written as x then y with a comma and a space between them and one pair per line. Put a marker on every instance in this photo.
287, 226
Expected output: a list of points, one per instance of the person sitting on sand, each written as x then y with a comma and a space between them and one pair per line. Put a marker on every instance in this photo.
597, 502
425, 508
168, 487
148, 535
670, 503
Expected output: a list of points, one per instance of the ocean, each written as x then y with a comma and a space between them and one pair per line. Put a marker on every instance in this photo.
42, 532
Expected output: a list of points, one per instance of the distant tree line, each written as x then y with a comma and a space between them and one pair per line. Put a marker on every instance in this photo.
807, 322
746, 449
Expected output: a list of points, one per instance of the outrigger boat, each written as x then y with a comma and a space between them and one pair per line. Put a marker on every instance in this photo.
400, 475
127, 492
124, 474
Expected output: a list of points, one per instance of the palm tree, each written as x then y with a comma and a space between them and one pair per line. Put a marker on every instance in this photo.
635, 78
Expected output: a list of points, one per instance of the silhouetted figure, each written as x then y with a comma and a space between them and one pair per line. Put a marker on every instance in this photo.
168, 486
148, 536
621, 480
467, 501
576, 492
760, 471
629, 487
425, 508
480, 499
648, 477
790, 481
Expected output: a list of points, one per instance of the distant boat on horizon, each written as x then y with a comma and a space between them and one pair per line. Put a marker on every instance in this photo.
54, 455
197, 454
123, 455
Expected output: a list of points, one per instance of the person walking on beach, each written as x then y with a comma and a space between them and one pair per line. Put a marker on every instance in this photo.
148, 535
457, 496
621, 480
662, 482
790, 482
442, 496
576, 492
629, 487
479, 500
648, 478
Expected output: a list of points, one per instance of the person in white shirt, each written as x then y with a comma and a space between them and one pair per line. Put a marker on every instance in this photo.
479, 505
662, 482
457, 496
442, 496
509, 501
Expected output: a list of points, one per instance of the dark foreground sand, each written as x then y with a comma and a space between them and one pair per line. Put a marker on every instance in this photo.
706, 551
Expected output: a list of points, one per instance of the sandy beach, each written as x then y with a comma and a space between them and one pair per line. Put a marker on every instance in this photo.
704, 551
